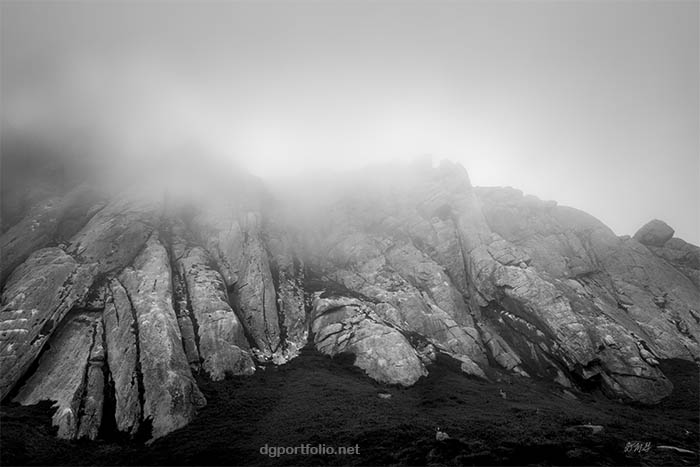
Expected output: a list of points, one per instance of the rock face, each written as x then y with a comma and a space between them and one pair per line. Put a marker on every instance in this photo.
222, 344
392, 265
287, 269
123, 358
54, 220
255, 291
36, 298
170, 395
93, 397
600, 286
115, 234
347, 325
681, 255
66, 374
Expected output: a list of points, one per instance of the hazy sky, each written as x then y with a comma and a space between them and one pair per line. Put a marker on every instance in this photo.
594, 104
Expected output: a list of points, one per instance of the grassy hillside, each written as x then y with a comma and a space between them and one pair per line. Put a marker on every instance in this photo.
317, 400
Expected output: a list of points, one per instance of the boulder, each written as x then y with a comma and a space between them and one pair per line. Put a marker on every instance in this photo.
654, 233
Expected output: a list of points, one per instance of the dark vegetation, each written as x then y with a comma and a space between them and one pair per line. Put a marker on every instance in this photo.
318, 400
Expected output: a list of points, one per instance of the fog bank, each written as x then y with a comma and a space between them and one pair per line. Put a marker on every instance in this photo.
593, 104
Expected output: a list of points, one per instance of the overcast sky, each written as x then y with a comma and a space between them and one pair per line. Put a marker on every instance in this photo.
594, 104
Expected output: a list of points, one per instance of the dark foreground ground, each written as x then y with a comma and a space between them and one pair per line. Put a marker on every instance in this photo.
317, 400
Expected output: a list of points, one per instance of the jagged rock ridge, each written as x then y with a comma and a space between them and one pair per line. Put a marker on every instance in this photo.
115, 302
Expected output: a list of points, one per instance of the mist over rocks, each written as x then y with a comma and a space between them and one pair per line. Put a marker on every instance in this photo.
202, 274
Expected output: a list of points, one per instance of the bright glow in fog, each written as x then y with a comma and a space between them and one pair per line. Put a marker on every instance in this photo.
592, 104
275, 152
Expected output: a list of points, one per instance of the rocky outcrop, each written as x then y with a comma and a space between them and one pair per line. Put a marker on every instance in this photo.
348, 325
36, 298
170, 394
287, 269
681, 255
52, 221
116, 234
255, 293
412, 292
222, 345
388, 244
607, 283
70, 373
123, 359
236, 242
394, 266
94, 393
179, 246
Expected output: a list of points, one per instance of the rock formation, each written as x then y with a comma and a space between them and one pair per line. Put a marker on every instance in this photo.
170, 395
119, 302
64, 375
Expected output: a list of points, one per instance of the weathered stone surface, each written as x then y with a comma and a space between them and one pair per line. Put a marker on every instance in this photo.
638, 277
54, 220
613, 283
93, 397
553, 236
681, 255
123, 358
539, 281
342, 324
218, 221
506, 253
438, 238
255, 292
218, 229
287, 270
567, 331
654, 233
170, 395
394, 266
94, 300
222, 344
36, 297
63, 376
502, 353
372, 256
178, 247
414, 309
234, 238
116, 234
